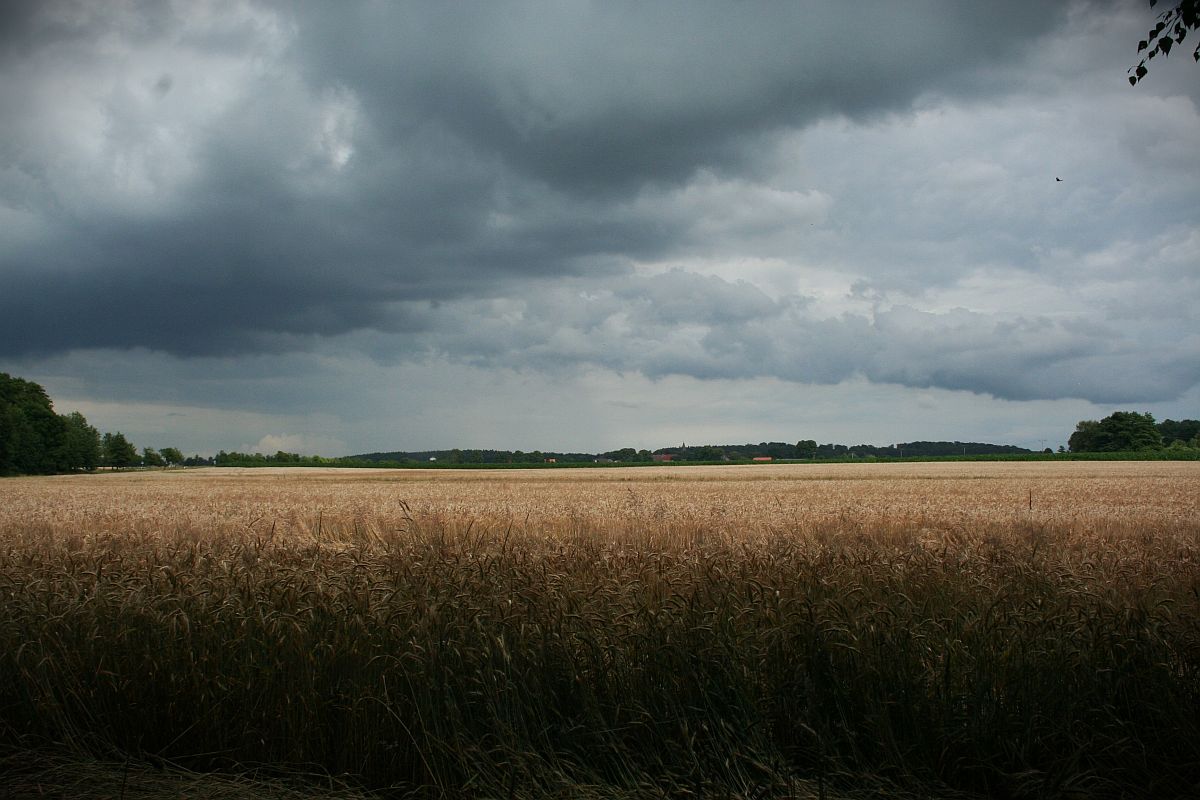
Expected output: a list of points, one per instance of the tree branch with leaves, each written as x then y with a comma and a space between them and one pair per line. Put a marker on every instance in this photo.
1172, 28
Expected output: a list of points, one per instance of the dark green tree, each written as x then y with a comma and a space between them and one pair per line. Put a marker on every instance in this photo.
1129, 430
1118, 432
1171, 29
806, 448
1183, 430
152, 458
778, 450
1083, 440
623, 454
31, 434
81, 444
118, 451
17, 440
171, 455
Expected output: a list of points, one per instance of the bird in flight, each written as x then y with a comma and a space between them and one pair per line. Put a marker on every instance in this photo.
1058, 179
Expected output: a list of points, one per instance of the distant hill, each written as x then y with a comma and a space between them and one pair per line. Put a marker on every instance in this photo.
728, 452
810, 450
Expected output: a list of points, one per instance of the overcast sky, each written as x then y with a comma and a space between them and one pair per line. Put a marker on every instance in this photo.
347, 227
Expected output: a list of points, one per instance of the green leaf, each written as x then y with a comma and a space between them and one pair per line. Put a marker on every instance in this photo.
1142, 45
1165, 45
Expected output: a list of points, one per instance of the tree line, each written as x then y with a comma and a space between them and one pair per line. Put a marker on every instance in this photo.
35, 440
804, 449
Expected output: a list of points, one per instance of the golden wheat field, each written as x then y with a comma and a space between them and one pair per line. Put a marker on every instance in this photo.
980, 629
302, 503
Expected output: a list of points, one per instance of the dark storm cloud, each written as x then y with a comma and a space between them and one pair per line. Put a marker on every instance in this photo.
485, 143
606, 97
486, 183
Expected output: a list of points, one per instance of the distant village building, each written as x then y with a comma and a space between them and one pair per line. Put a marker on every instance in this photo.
663, 457
551, 460
763, 458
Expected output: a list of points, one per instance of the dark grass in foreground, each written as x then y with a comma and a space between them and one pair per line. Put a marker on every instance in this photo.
459, 659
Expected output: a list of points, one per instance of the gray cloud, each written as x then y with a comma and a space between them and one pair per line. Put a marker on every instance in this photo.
721, 192
244, 203
610, 96
680, 323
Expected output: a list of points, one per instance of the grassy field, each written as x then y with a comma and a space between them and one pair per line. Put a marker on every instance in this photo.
984, 629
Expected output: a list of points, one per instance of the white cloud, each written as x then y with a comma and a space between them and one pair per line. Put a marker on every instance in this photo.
301, 443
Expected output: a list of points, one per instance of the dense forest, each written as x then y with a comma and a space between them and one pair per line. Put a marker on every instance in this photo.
36, 440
